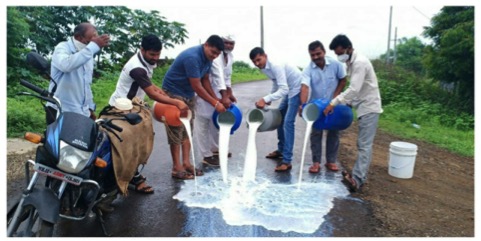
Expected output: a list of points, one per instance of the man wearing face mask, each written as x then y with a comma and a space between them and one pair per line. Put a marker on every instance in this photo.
325, 77
72, 70
207, 135
363, 94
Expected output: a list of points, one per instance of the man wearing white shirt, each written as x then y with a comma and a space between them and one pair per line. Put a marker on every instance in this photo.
220, 76
286, 85
363, 94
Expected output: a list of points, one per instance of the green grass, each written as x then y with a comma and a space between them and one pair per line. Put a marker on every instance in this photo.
26, 114
457, 141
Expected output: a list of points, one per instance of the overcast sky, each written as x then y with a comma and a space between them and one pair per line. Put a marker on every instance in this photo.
288, 29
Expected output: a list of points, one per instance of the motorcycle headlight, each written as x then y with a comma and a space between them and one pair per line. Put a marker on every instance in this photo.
71, 159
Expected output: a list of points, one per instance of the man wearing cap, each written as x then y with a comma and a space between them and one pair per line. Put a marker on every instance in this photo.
207, 135
135, 81
189, 76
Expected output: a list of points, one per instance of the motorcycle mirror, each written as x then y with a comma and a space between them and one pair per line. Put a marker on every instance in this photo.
38, 62
133, 118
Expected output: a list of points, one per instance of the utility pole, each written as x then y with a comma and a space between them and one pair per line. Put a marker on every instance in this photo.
262, 28
389, 36
395, 45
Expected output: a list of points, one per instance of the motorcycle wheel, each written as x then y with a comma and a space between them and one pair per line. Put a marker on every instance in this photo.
30, 224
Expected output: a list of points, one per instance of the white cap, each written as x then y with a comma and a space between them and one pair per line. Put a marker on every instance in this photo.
229, 37
123, 104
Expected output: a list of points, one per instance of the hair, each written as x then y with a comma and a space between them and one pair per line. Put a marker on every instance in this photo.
340, 40
151, 42
82, 28
255, 51
216, 41
316, 44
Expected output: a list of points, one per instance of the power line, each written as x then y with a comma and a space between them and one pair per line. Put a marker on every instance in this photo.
421, 13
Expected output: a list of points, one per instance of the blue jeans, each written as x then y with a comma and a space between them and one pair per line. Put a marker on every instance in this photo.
367, 125
285, 132
332, 145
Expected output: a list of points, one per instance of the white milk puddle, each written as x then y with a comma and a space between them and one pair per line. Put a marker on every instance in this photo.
274, 206
224, 135
251, 153
306, 138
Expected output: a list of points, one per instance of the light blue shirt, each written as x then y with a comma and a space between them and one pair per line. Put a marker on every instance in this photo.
73, 71
286, 80
323, 82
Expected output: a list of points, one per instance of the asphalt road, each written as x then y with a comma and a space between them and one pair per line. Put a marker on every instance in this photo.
160, 215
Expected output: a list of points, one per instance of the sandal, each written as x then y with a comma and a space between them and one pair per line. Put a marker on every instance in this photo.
283, 167
349, 181
274, 154
332, 166
198, 172
145, 190
314, 169
183, 175
137, 180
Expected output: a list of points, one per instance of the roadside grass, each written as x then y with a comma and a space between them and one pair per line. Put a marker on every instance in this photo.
429, 130
27, 114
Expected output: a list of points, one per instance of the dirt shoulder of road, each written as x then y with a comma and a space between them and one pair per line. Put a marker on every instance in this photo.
438, 201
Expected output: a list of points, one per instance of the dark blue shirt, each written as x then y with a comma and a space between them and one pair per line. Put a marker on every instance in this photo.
191, 63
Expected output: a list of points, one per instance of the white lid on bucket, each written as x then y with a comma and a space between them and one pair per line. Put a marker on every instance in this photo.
123, 104
403, 146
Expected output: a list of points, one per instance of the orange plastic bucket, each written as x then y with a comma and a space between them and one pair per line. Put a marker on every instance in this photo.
168, 114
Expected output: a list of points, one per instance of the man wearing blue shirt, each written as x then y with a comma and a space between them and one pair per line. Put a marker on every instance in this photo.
189, 75
72, 70
325, 78
286, 85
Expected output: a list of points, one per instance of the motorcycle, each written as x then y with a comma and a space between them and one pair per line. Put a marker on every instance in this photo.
73, 169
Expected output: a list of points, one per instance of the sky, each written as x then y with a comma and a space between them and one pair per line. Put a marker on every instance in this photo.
288, 29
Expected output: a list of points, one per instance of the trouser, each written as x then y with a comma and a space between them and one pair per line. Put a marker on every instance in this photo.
285, 133
206, 136
367, 125
332, 145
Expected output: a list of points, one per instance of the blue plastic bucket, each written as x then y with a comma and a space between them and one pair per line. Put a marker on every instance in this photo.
340, 119
233, 116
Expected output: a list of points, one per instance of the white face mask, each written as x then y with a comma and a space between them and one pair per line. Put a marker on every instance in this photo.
343, 58
78, 45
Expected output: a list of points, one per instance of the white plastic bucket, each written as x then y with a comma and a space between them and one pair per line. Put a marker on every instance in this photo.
402, 156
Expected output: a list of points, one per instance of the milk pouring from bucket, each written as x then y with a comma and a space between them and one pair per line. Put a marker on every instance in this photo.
271, 119
232, 116
168, 114
340, 119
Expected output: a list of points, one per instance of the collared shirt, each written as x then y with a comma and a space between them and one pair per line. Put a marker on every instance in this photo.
323, 82
220, 78
363, 91
72, 70
134, 78
190, 63
286, 80
221, 72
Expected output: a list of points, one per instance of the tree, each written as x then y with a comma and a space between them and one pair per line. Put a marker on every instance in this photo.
49, 25
409, 54
451, 57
